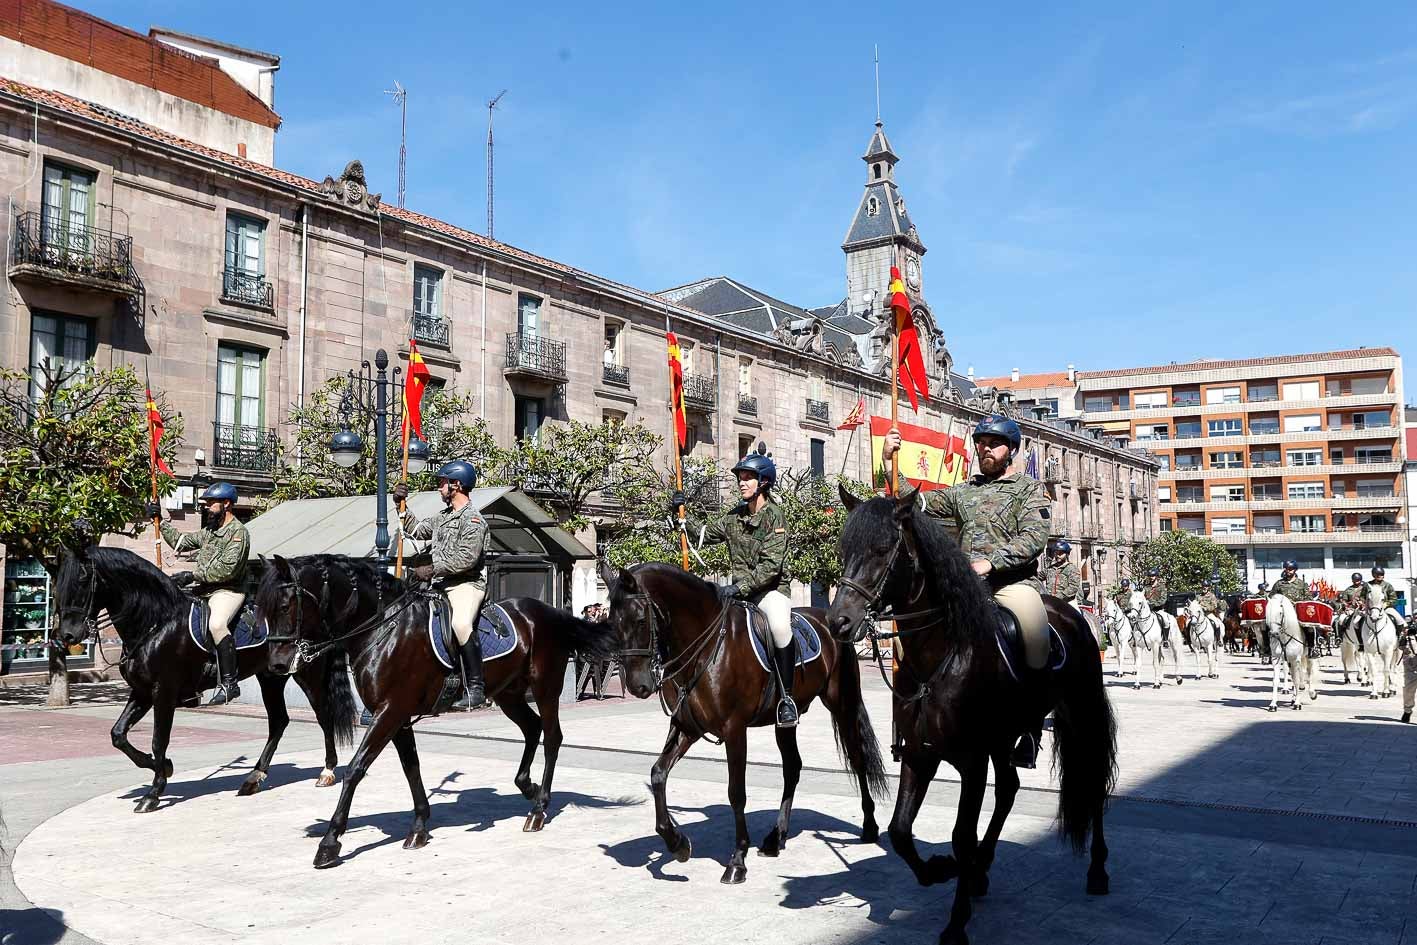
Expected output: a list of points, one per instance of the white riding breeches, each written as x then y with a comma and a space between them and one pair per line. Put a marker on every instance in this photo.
466, 600
1027, 607
223, 606
777, 608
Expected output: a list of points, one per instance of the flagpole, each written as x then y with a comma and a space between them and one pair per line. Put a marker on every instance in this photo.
403, 478
895, 396
678, 464
152, 473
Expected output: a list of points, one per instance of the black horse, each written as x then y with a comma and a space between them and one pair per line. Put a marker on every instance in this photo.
682, 641
956, 701
322, 603
164, 668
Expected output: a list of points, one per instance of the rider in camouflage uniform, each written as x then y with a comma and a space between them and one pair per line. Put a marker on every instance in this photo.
1001, 524
1211, 605
1123, 594
755, 531
1389, 598
1297, 589
1351, 600
460, 540
223, 547
1155, 590
1060, 577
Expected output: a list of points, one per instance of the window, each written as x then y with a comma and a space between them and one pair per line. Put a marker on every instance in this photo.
530, 412
1163, 461
1051, 403
1367, 455
1258, 393
608, 416
1190, 494
1306, 490
1163, 493
611, 356
819, 458
1369, 419
1262, 458
1301, 390
1265, 491
1149, 400
1222, 395
1187, 428
1345, 386
240, 389
1335, 455
1229, 427
1229, 493
1374, 488
1153, 431
1365, 556
1265, 424
1190, 397
1227, 526
745, 377
528, 314
1195, 526
745, 444
1269, 524
427, 292
686, 354
876, 171
1302, 423
67, 209
1380, 522
1167, 525
1188, 460
1304, 457
1307, 523
1272, 558
873, 206
66, 341
1226, 460
1098, 404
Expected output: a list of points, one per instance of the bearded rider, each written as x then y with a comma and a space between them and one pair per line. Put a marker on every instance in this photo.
755, 531
460, 540
223, 547
1000, 521
1297, 589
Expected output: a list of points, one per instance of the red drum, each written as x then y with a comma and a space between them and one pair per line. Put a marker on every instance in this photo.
1252, 608
1315, 612
1088, 609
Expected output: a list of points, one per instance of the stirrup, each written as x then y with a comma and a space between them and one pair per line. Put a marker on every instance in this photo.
1025, 753
787, 716
226, 692
472, 698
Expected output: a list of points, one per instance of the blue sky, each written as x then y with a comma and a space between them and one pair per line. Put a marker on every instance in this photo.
1113, 185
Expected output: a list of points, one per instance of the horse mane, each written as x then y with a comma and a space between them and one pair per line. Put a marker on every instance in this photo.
363, 574
148, 596
658, 570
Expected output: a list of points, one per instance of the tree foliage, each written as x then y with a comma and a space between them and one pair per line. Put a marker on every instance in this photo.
1184, 560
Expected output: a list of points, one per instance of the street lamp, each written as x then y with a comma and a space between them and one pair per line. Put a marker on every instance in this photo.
368, 392
417, 454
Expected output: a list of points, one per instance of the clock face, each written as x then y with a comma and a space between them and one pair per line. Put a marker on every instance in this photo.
912, 272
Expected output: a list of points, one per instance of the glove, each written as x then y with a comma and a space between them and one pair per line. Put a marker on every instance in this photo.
729, 592
677, 499
154, 510
400, 491
184, 579
424, 573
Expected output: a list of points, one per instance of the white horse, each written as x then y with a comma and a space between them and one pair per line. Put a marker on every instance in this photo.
1205, 630
1287, 649
1155, 631
1379, 644
1349, 626
1119, 633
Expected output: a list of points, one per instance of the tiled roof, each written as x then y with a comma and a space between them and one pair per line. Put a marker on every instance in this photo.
1209, 365
1026, 381
107, 47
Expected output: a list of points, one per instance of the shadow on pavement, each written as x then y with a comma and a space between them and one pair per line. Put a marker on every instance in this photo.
32, 926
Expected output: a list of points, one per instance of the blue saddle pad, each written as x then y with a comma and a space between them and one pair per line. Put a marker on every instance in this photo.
809, 645
248, 632
494, 632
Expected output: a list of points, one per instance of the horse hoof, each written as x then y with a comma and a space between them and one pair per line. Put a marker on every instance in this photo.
1271, 708
534, 821
1098, 885
325, 857
326, 779
772, 844
684, 850
1179, 680
146, 805
1136, 685
248, 787
416, 840
734, 875
1158, 685
529, 791
939, 869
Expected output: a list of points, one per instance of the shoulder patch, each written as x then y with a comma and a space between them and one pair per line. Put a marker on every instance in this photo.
1045, 513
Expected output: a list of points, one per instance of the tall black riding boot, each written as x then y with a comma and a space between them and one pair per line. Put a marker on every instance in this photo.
227, 690
470, 659
1311, 640
785, 660
1025, 753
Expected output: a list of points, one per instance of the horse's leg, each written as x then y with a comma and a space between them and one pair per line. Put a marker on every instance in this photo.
916, 773
324, 715
735, 741
776, 841
163, 710
550, 748
131, 714
1098, 883
408, 757
385, 724
277, 718
514, 707
675, 746
965, 841
1274, 696
1005, 790
1158, 663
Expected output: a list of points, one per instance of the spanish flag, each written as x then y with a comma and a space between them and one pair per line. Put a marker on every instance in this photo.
912, 362
855, 418
155, 432
928, 459
413, 389
676, 379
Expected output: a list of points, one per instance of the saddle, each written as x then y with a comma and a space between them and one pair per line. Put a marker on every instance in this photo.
1009, 636
494, 634
808, 645
246, 630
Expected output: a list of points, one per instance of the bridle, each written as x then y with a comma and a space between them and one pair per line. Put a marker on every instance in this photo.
84, 614
309, 650
655, 650
876, 610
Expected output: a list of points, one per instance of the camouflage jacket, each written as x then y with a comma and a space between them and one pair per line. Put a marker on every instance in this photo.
1123, 597
1296, 589
1353, 596
1062, 581
1156, 594
757, 547
460, 542
221, 554
1210, 604
1389, 595
1003, 521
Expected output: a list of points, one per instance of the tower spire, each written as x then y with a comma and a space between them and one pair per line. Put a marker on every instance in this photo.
878, 85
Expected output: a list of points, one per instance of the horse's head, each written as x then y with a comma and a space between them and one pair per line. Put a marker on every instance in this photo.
877, 548
635, 618
1137, 606
1377, 601
76, 593
291, 600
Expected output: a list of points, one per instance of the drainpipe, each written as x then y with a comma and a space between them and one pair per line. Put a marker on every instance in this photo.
304, 300
482, 362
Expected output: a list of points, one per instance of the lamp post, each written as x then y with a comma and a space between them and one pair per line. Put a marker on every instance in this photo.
368, 392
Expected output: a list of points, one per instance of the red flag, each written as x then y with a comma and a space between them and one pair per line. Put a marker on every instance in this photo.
413, 388
856, 417
676, 376
156, 429
912, 362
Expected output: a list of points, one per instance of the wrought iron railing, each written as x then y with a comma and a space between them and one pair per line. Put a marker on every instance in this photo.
530, 353
247, 288
1052, 471
45, 241
748, 406
251, 448
819, 410
700, 391
617, 374
432, 330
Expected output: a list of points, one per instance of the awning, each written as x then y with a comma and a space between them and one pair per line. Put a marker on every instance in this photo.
345, 526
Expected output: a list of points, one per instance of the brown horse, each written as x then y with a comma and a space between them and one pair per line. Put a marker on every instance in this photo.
957, 701
679, 638
319, 602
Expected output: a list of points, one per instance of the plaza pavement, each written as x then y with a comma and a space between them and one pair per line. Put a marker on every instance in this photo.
1231, 825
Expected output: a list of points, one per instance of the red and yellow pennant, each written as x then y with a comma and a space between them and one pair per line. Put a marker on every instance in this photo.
912, 361
855, 418
155, 432
676, 377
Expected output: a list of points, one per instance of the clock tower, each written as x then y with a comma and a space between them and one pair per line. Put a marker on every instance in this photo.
881, 235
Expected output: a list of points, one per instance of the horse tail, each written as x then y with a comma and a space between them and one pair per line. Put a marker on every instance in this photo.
339, 697
855, 738
1084, 754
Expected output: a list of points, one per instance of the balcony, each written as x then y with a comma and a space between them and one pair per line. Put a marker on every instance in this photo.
818, 411
78, 257
747, 406
1340, 537
533, 357
1087, 482
251, 449
700, 392
240, 287
1052, 472
433, 330
1155, 414
617, 375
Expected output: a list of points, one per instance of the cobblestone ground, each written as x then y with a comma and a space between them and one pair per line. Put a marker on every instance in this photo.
1231, 825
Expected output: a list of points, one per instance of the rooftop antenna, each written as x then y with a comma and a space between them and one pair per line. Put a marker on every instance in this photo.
400, 95
878, 83
491, 105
